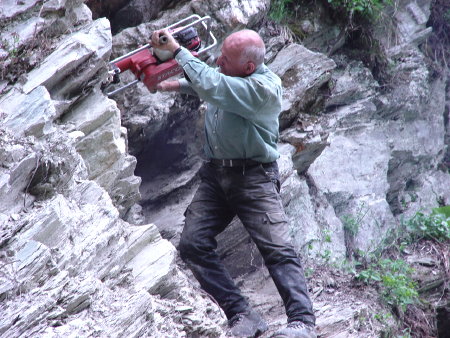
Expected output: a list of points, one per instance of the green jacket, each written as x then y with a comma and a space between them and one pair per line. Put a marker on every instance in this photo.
241, 121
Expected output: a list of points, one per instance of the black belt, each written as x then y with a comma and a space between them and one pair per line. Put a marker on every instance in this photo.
234, 163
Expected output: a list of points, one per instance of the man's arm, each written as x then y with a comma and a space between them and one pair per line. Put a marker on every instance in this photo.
180, 85
170, 45
242, 96
168, 86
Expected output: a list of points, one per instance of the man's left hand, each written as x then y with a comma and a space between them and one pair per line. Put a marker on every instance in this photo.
163, 39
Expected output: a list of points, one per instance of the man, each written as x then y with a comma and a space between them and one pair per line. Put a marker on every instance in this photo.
240, 178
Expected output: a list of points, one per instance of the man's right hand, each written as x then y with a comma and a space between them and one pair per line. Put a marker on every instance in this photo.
168, 86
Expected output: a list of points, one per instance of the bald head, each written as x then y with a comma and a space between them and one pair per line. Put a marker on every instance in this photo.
242, 53
249, 45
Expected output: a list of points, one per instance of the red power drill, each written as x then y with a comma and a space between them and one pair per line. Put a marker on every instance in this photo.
150, 66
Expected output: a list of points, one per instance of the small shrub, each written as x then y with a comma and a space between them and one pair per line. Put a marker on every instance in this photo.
326, 235
367, 8
326, 255
399, 289
351, 224
394, 277
435, 226
279, 10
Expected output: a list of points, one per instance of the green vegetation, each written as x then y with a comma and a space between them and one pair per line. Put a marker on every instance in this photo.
394, 277
309, 272
383, 317
326, 235
435, 226
367, 8
386, 270
279, 10
352, 224
326, 255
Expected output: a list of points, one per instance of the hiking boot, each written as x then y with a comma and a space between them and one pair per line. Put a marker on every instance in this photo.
296, 329
247, 324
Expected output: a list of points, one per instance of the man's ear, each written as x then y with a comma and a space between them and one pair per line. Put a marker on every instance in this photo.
249, 68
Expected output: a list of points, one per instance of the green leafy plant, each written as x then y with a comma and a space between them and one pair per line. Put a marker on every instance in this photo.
442, 210
367, 8
351, 224
434, 226
326, 255
394, 277
279, 10
383, 317
309, 272
326, 235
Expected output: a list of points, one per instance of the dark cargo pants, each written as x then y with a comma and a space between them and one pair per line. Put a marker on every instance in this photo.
251, 193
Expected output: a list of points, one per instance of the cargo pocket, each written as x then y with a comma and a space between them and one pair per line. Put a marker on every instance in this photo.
276, 217
278, 227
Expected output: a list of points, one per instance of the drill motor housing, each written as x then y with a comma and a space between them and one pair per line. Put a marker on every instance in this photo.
151, 69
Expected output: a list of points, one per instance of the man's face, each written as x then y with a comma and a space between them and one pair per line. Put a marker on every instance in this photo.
229, 60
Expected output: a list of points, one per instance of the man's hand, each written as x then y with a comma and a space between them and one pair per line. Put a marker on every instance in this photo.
163, 39
168, 86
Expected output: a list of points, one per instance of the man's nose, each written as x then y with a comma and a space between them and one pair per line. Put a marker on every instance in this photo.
219, 60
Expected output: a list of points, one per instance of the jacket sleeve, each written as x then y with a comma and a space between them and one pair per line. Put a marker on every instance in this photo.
242, 96
185, 87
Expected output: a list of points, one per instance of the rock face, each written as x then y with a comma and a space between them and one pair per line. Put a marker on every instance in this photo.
70, 262
51, 93
125, 13
77, 255
234, 14
355, 157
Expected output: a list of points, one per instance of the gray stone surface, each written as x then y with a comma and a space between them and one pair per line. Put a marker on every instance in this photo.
11, 8
70, 264
302, 73
234, 14
351, 153
83, 52
351, 83
29, 114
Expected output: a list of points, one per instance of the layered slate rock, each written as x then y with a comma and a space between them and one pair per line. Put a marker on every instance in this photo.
74, 259
351, 152
52, 92
103, 147
70, 263
385, 146
30, 26
303, 73
83, 53
234, 14
30, 114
